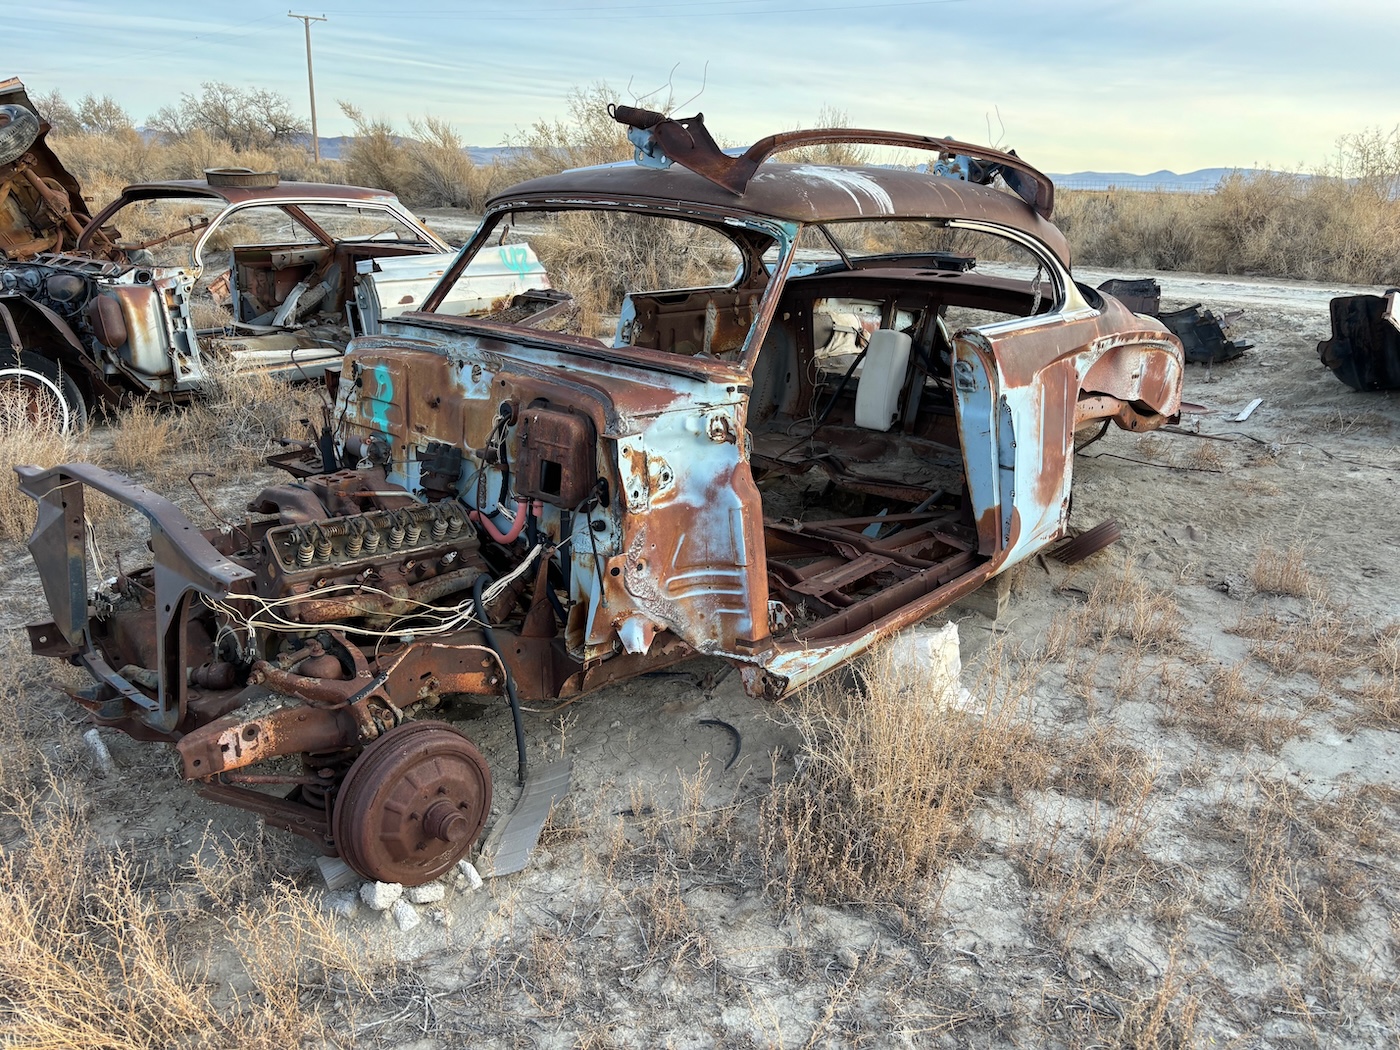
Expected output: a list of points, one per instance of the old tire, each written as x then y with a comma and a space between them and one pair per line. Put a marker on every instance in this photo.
412, 805
19, 127
44, 395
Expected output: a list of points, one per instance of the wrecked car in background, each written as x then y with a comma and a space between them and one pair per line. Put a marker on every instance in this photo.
1205, 338
1364, 351
830, 402
90, 314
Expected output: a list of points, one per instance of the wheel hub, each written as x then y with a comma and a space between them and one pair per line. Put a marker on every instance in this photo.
413, 804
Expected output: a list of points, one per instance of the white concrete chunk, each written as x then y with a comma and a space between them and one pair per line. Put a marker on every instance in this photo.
101, 757
473, 876
406, 915
429, 893
343, 904
380, 895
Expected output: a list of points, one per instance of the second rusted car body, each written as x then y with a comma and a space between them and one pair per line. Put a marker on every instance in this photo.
851, 429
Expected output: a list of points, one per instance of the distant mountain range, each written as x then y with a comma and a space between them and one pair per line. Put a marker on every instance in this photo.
1198, 181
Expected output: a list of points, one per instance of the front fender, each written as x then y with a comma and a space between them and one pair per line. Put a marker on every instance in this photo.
30, 326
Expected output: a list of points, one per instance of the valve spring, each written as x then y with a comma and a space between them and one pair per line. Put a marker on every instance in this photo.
439, 528
396, 535
354, 542
454, 524
372, 539
306, 553
415, 532
323, 547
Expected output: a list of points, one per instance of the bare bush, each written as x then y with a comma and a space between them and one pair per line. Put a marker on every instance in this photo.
1341, 223
587, 135
245, 118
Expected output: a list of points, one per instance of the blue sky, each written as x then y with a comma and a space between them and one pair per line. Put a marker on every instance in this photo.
1125, 86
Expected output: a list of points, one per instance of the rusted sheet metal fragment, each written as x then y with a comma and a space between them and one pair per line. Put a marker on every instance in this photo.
685, 140
1364, 351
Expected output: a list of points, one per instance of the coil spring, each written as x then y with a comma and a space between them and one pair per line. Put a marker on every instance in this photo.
323, 546
330, 769
306, 550
354, 539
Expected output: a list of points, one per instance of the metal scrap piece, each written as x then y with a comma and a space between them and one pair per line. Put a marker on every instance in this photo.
508, 847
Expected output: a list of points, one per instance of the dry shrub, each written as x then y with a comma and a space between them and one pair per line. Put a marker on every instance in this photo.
241, 414
887, 779
584, 137
1300, 880
598, 257
1341, 224
441, 172
90, 959
429, 167
1284, 572
104, 164
26, 440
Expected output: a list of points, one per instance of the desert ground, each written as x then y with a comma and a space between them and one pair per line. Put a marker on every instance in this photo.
1166, 813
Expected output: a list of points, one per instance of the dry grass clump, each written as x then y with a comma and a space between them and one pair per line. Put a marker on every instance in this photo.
1228, 706
1380, 691
143, 438
1301, 879
887, 777
25, 440
1084, 861
1124, 610
90, 959
1284, 572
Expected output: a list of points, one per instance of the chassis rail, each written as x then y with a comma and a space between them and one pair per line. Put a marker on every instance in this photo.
186, 565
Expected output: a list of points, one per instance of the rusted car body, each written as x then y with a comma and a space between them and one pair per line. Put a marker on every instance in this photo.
89, 315
854, 424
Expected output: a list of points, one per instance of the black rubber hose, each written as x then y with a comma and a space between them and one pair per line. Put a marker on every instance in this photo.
477, 588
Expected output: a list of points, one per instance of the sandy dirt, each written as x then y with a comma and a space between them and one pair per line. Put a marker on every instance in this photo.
1260, 906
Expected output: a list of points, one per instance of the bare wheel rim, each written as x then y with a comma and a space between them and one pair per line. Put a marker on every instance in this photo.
40, 399
413, 804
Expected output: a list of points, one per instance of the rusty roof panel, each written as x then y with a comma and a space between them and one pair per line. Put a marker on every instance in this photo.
802, 193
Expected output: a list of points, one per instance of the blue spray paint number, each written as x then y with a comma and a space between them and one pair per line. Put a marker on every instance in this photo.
515, 258
383, 397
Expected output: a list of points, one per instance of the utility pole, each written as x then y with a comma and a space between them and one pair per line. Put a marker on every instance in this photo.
311, 79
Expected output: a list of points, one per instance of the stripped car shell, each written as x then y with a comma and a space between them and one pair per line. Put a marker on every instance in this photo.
90, 316
855, 422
